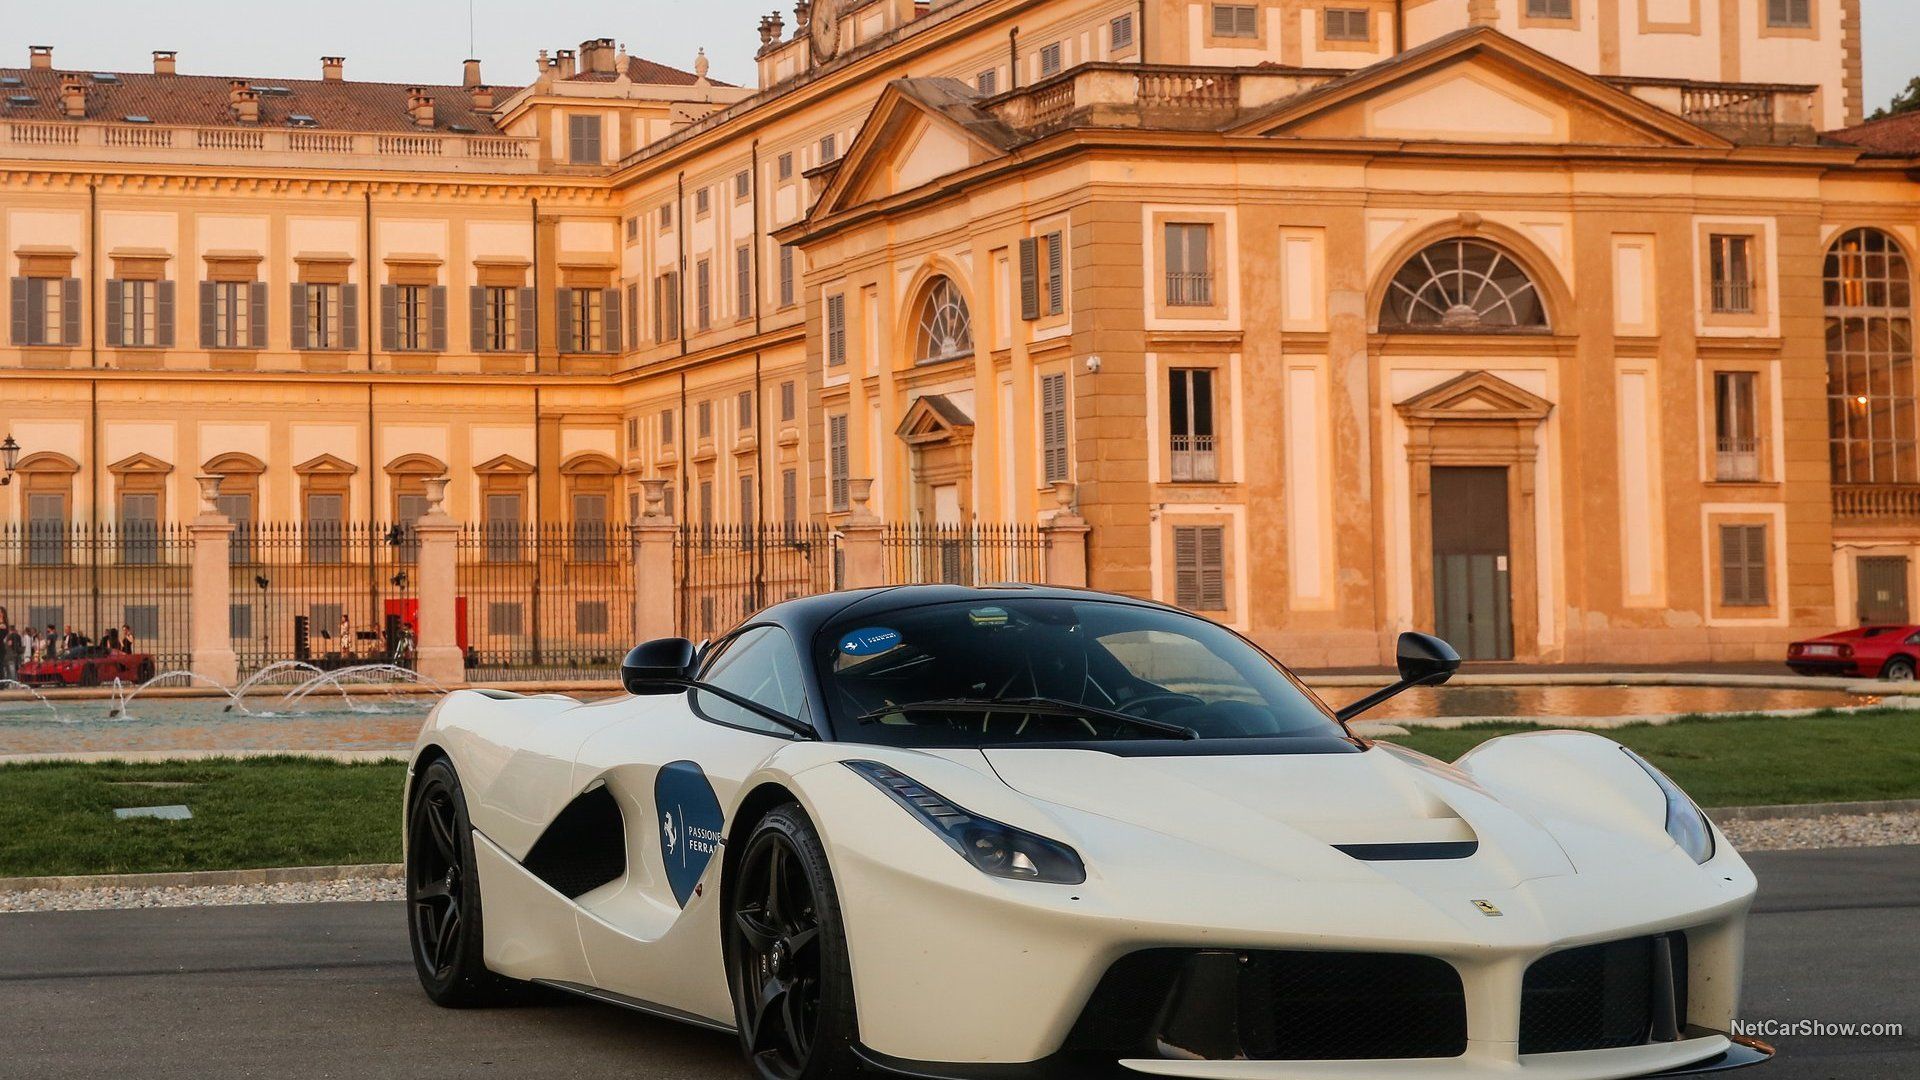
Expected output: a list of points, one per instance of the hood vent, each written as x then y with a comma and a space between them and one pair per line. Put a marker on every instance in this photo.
1446, 849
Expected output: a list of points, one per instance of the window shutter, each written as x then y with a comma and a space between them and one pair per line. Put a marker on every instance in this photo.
610, 321
527, 319
1733, 578
209, 337
477, 317
70, 311
1213, 569
116, 326
1756, 536
439, 297
257, 314
836, 330
1053, 427
1243, 21
17, 296
389, 317
163, 314
350, 317
632, 339
1222, 20
1029, 278
1186, 566
1056, 274
563, 320
300, 314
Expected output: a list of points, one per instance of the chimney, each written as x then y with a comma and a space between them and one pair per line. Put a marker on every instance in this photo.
563, 60
333, 68
420, 107
470, 75
243, 102
73, 96
163, 61
482, 97
40, 57
596, 56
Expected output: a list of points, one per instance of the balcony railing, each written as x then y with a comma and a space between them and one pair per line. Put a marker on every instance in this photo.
1189, 290
1737, 460
1193, 458
1742, 112
1163, 96
1876, 503
236, 145
1733, 297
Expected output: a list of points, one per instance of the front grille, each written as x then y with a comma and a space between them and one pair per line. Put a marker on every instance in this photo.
1603, 996
1274, 1006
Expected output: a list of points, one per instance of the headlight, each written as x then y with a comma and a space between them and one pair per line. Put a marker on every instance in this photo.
1685, 822
995, 848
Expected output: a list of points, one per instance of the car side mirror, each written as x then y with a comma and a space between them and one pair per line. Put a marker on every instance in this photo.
660, 666
1424, 660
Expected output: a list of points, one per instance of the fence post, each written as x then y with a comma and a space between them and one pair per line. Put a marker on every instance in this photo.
437, 642
654, 588
210, 604
1066, 534
863, 541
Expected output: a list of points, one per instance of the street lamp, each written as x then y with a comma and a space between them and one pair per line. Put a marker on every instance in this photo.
9, 457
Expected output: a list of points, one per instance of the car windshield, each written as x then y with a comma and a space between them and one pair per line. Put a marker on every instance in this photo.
1012, 671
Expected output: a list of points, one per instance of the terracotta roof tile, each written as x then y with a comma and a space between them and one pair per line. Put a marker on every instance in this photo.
1897, 136
642, 70
344, 105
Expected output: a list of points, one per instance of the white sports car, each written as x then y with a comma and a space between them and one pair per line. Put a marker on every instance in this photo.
1024, 832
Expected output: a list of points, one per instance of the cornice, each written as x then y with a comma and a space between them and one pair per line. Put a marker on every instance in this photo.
474, 189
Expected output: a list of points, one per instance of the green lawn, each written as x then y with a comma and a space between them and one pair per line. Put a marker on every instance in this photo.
1756, 761
57, 817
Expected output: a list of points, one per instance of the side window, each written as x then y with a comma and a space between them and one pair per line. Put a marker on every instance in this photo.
761, 665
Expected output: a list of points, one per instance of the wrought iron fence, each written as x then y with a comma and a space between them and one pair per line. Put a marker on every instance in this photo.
92, 578
727, 572
331, 594
544, 601
976, 554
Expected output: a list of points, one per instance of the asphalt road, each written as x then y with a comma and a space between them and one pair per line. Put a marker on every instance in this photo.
326, 990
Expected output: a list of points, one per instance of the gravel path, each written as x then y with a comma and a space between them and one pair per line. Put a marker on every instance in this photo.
200, 895
1830, 831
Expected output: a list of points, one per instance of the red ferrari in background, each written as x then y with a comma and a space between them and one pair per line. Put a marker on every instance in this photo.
1870, 652
88, 670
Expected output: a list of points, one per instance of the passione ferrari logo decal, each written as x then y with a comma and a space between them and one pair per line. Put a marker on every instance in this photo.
1486, 908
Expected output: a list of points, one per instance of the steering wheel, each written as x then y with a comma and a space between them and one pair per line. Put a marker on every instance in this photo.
1131, 708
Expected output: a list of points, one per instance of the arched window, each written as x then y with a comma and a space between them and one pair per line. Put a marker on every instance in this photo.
1871, 396
946, 327
1463, 286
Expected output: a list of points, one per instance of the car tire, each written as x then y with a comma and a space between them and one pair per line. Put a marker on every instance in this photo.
1898, 669
787, 954
443, 896
89, 675
145, 671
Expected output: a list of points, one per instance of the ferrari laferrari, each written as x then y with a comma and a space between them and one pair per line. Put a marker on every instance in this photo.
1024, 832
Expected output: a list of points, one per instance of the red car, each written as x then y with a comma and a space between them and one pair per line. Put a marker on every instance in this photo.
1870, 652
88, 670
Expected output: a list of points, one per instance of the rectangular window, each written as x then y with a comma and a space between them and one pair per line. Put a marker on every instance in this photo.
499, 319
46, 311
1793, 14
703, 202
747, 487
325, 526
1731, 267
240, 621
1736, 421
1199, 567
666, 306
226, 313
785, 166
46, 529
140, 314
633, 229
1743, 565
837, 466
703, 294
742, 186
829, 148
412, 318
703, 420
139, 528
589, 527
1347, 24
706, 503
1120, 33
1236, 20
591, 617
1053, 426
743, 280
836, 330
238, 507
504, 620
787, 402
1549, 9
324, 323
1043, 271
790, 496
633, 431
987, 82
1190, 424
583, 140
666, 427
1051, 60
786, 276
583, 325
666, 217
1189, 265
501, 526
744, 410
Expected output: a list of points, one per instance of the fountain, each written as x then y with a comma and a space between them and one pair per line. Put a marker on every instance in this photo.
363, 673
122, 701
15, 684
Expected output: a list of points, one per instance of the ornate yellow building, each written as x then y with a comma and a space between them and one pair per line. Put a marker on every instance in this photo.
1554, 324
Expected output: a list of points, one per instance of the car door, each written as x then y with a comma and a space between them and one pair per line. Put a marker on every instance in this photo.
676, 769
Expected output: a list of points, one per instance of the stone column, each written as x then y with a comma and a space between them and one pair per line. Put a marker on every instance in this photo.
211, 601
436, 639
1066, 533
655, 592
862, 541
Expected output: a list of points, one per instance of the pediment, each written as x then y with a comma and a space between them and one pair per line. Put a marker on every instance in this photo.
918, 132
934, 418
1476, 396
503, 465
1478, 86
142, 463
326, 465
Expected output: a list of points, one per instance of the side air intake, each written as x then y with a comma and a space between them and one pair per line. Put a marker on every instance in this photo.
584, 848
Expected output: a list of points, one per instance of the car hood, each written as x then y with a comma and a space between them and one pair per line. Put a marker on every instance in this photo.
1289, 811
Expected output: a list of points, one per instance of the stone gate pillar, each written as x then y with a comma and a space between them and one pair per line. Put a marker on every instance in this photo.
1066, 533
862, 541
436, 640
210, 604
655, 590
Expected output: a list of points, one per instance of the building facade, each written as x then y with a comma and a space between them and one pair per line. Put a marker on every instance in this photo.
1555, 325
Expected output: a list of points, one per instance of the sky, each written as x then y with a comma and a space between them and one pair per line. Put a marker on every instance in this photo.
425, 40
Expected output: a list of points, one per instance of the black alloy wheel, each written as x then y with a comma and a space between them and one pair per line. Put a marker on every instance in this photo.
443, 895
787, 954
